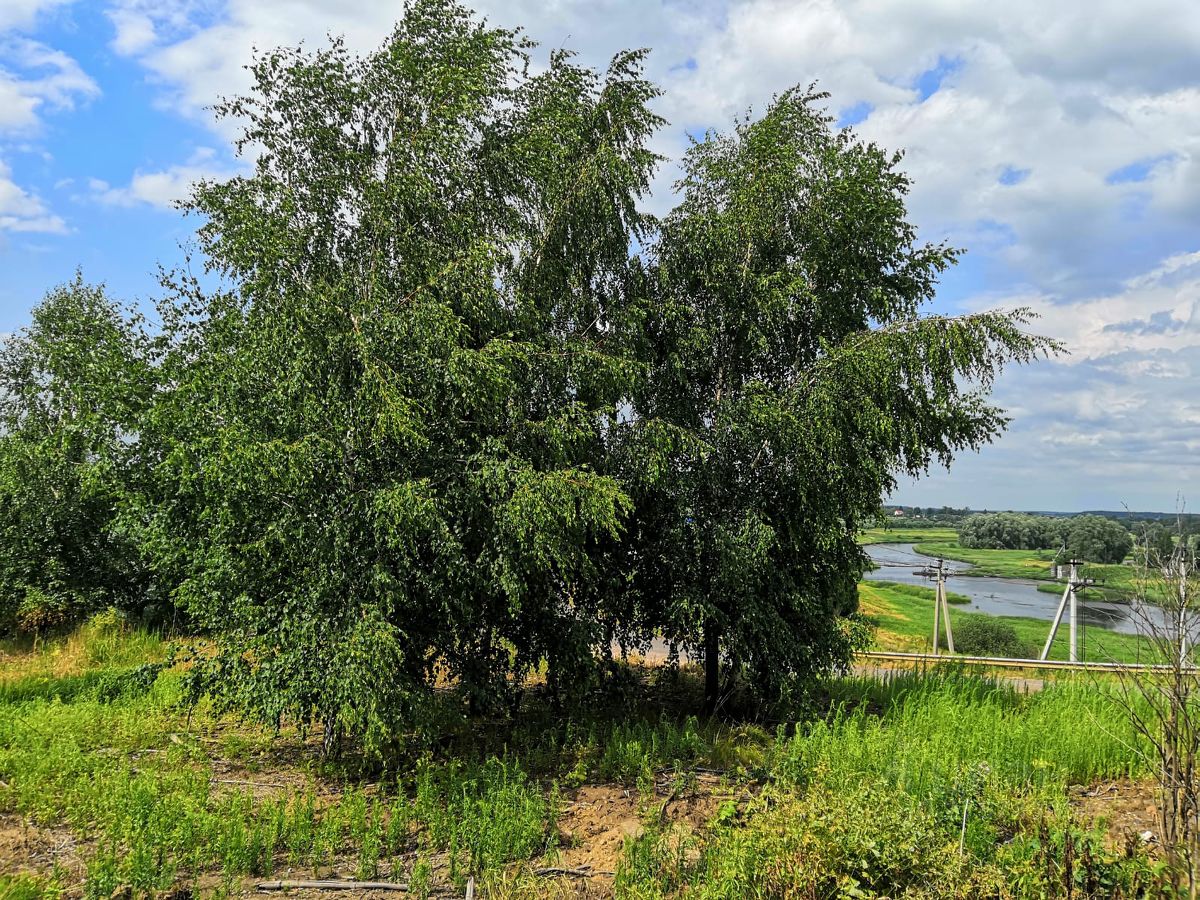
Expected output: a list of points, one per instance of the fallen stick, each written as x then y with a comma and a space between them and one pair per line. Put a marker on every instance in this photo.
331, 886
273, 784
550, 871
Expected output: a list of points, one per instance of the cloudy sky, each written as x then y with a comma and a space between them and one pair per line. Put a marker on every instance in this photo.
1059, 143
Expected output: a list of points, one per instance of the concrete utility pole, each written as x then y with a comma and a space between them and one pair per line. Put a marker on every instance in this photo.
1074, 583
940, 605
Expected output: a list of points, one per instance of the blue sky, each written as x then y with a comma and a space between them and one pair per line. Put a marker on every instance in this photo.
1058, 143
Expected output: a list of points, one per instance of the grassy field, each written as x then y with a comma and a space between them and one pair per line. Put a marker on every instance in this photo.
111, 786
1033, 564
903, 616
899, 534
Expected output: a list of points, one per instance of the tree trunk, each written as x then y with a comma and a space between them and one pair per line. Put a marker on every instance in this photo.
712, 667
331, 739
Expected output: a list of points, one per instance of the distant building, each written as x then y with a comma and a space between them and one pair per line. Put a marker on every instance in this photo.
898, 513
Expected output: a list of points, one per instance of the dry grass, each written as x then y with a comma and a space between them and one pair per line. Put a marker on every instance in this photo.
106, 641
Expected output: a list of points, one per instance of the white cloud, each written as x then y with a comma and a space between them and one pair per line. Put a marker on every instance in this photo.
1157, 310
1123, 429
22, 13
34, 78
23, 211
1068, 94
140, 24
163, 188
1116, 422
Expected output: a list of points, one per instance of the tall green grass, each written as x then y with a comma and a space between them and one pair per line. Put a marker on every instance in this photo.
916, 729
876, 799
111, 753
117, 772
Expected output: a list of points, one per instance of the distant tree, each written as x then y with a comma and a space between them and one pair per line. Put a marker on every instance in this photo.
1159, 542
1011, 531
1097, 539
72, 386
790, 379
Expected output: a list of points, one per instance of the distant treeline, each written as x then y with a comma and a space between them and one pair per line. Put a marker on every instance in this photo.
933, 514
1087, 537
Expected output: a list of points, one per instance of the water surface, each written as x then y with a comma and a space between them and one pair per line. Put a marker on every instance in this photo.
997, 596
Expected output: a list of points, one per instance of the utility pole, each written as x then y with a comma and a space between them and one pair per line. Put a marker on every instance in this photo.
1074, 583
941, 606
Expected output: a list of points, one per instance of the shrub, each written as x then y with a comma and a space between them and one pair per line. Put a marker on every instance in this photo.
988, 637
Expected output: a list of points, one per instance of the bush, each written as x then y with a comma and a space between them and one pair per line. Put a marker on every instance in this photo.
988, 637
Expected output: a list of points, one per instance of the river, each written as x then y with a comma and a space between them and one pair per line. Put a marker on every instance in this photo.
993, 595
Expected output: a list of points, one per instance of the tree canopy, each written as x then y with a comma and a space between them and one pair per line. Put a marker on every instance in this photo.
794, 378
1087, 537
72, 386
1013, 531
462, 409
1097, 539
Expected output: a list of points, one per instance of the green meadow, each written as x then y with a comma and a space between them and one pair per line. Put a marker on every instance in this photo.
859, 788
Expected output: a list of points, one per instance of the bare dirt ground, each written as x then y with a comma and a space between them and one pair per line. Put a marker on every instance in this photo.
595, 823
1125, 808
28, 849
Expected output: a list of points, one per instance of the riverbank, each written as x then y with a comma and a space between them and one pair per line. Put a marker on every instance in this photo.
903, 618
903, 535
1116, 582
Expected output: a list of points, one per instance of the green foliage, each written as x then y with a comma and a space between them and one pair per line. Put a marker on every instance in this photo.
1013, 531
384, 455
981, 636
1099, 540
484, 815
440, 424
25, 887
790, 378
72, 385
633, 751
861, 840
1091, 538
869, 804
